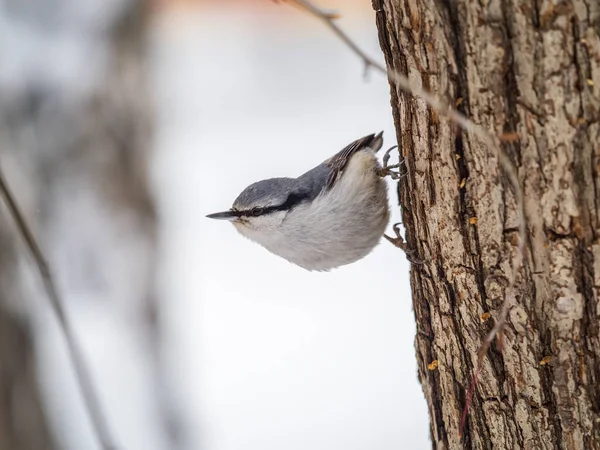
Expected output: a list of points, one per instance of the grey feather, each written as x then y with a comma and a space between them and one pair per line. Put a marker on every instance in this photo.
276, 191
332, 215
271, 192
339, 161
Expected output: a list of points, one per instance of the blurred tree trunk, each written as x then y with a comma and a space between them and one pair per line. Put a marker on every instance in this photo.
75, 148
23, 424
531, 70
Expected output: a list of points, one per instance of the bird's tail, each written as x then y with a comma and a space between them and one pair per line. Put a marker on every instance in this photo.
377, 142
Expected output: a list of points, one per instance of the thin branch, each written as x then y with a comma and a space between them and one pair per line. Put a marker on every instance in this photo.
490, 140
82, 373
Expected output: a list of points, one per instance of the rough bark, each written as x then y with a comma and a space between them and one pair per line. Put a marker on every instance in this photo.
514, 66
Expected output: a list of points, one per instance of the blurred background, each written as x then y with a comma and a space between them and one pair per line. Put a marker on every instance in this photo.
122, 124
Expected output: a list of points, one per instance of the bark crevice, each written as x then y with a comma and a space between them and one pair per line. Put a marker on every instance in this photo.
519, 68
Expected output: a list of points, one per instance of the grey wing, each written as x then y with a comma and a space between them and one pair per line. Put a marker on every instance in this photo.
337, 163
312, 183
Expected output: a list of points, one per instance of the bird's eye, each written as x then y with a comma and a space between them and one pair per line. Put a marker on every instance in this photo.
257, 211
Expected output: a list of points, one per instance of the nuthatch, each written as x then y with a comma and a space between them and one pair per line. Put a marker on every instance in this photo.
333, 215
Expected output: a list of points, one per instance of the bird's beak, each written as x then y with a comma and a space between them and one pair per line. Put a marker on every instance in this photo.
225, 215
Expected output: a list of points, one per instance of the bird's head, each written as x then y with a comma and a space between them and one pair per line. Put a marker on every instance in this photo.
262, 206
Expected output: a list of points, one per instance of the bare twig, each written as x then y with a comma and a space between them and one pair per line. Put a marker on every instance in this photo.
82, 373
490, 140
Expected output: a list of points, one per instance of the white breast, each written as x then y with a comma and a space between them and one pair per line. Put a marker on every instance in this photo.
339, 227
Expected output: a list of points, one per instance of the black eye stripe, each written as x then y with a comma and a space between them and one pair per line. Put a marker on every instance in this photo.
255, 212
292, 200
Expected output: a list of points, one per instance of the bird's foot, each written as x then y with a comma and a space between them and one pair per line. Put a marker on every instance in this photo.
386, 170
399, 242
393, 174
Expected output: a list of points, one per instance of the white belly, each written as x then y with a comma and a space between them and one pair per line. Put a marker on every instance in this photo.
339, 227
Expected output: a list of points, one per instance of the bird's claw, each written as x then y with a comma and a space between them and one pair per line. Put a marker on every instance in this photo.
386, 170
386, 156
399, 242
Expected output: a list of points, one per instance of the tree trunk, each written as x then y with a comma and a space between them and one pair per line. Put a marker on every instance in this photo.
530, 70
23, 424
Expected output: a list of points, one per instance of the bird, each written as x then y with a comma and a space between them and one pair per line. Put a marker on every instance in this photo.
330, 216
